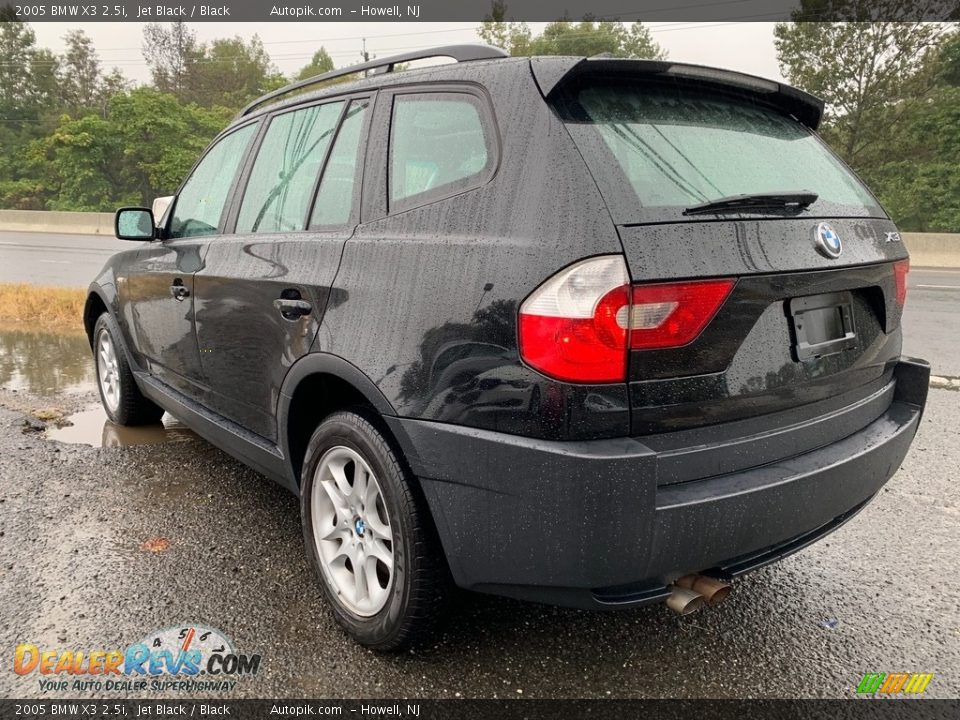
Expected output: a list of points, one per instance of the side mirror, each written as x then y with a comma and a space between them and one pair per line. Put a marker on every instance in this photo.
134, 223
160, 206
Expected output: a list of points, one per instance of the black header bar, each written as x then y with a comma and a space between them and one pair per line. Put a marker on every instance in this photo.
475, 10
414, 709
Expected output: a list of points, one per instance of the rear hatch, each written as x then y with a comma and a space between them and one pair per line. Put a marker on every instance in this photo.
814, 313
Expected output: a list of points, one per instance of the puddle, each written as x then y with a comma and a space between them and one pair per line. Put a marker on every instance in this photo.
45, 363
91, 427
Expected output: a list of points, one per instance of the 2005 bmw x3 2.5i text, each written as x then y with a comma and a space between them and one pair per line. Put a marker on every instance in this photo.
593, 332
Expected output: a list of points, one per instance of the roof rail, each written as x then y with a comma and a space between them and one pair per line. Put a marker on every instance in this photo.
460, 53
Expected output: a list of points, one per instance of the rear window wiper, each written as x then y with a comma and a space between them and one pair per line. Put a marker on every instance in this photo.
778, 200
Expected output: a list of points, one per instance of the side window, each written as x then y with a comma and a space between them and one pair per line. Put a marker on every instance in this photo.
334, 204
285, 172
200, 202
438, 147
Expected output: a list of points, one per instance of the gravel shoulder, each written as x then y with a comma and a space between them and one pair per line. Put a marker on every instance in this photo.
879, 595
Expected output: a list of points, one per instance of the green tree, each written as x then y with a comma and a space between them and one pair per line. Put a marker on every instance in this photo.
860, 69
169, 50
918, 176
142, 148
82, 165
564, 37
27, 73
499, 31
162, 138
29, 98
891, 111
319, 64
588, 38
44, 78
949, 61
80, 74
230, 72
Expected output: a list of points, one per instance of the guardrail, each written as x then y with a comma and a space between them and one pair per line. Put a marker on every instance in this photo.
49, 221
933, 249
926, 249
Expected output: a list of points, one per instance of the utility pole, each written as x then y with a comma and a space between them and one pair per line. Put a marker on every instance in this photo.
366, 56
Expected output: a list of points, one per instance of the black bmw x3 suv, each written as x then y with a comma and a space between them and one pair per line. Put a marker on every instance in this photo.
592, 332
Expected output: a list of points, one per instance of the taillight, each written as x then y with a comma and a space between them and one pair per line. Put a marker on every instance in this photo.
569, 326
900, 270
579, 324
674, 314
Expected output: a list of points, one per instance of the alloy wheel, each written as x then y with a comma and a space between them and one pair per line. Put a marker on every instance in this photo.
352, 531
108, 371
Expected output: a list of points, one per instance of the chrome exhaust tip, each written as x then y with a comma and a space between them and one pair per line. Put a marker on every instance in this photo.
684, 601
713, 591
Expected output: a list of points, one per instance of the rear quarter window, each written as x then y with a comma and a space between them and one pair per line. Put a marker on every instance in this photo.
441, 144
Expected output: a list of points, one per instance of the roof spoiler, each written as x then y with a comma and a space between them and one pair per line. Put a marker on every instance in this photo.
552, 73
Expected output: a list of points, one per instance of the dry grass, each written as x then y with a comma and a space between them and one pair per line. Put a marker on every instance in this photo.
36, 307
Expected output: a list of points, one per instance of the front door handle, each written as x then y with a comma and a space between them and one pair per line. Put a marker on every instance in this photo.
179, 292
292, 309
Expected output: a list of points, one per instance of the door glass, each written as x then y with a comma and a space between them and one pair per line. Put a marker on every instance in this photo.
285, 172
201, 200
334, 204
437, 145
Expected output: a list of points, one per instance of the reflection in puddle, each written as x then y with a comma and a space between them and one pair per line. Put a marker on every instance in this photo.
91, 427
45, 363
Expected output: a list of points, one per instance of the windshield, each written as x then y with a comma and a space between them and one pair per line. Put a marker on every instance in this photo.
657, 149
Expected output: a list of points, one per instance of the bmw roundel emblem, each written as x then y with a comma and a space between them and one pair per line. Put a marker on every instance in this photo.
827, 240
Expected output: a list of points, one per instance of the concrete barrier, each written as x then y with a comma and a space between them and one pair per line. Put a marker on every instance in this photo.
926, 249
81, 223
933, 249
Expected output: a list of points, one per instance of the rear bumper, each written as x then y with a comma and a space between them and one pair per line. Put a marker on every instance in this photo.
596, 524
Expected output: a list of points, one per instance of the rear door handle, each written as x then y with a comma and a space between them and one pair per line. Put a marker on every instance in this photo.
292, 309
179, 292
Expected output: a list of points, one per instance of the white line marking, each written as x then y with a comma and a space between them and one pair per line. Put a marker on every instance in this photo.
941, 287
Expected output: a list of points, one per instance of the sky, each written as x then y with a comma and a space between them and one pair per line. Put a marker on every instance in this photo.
746, 46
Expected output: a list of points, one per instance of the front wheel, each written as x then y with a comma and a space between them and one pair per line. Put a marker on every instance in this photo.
369, 537
121, 398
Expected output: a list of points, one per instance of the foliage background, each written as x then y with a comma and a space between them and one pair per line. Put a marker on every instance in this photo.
77, 136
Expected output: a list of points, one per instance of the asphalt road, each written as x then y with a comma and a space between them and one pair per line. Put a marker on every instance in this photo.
879, 595
931, 323
55, 259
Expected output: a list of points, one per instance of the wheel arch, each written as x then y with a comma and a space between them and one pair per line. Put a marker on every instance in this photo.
99, 300
317, 385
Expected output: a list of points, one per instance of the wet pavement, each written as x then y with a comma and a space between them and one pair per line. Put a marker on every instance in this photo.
45, 364
92, 427
99, 546
61, 259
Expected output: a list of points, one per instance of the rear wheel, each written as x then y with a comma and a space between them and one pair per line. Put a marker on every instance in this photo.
121, 398
368, 536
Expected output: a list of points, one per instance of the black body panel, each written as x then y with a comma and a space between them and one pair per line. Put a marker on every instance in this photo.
425, 302
246, 344
533, 532
160, 324
749, 246
743, 364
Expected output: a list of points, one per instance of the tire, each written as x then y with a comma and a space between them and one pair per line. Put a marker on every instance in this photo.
119, 394
404, 606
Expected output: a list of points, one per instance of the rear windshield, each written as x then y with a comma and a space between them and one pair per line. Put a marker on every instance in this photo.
656, 149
